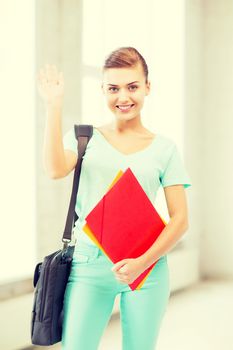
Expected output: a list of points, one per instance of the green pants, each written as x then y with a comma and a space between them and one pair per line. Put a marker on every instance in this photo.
89, 299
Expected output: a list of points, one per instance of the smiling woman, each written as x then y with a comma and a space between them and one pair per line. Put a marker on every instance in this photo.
155, 161
126, 72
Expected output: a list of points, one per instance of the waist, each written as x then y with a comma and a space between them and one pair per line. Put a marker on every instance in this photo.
90, 250
85, 244
94, 251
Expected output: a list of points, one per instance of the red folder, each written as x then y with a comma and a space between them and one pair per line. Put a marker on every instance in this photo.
124, 223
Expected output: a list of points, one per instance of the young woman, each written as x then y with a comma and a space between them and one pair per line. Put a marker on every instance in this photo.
94, 280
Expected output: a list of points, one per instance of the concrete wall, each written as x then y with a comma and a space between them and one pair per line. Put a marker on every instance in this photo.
58, 42
216, 165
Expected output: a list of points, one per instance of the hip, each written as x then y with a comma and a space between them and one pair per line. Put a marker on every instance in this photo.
91, 266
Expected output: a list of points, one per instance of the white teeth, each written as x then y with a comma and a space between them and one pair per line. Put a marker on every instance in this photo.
125, 107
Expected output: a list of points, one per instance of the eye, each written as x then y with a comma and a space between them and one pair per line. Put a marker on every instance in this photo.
114, 89
133, 86
110, 89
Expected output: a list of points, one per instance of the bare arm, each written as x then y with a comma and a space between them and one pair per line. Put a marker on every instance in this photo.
175, 228
57, 162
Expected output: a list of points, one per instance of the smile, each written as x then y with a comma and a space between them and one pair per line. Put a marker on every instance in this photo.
125, 108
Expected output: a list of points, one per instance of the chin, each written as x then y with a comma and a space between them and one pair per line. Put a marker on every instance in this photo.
124, 117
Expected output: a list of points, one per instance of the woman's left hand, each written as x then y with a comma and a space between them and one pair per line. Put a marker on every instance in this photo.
127, 270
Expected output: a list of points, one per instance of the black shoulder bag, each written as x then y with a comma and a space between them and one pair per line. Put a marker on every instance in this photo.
51, 275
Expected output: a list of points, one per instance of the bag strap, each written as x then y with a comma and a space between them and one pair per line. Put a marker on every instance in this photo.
83, 133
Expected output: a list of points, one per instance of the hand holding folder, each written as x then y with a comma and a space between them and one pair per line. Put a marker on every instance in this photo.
124, 223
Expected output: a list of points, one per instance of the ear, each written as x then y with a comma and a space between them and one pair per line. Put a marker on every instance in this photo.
148, 88
102, 88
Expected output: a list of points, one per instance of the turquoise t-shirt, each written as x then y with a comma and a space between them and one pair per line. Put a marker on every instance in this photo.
159, 164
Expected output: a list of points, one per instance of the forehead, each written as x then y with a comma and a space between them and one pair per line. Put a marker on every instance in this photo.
123, 76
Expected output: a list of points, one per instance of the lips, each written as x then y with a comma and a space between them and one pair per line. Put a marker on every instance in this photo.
125, 107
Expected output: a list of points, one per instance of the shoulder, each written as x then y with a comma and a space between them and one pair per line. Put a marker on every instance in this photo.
167, 143
102, 127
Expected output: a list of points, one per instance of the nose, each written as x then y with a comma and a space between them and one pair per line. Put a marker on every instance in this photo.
123, 97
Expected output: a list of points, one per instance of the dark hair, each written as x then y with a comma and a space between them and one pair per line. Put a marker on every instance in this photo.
125, 57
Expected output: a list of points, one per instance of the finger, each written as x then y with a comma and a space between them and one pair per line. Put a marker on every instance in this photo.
61, 78
53, 68
41, 74
121, 280
118, 265
40, 80
49, 72
123, 269
46, 69
53, 72
121, 272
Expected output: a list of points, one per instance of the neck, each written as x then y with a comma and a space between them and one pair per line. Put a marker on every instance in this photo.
125, 126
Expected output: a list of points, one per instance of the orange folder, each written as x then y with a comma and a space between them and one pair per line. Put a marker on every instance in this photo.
124, 223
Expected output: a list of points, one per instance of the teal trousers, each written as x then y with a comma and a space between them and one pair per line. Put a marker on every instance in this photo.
89, 300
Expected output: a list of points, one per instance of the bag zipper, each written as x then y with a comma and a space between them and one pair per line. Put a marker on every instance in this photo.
44, 286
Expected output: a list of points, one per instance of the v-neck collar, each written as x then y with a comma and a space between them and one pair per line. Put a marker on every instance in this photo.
147, 148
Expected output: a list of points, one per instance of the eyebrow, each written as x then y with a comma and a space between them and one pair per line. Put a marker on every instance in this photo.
127, 84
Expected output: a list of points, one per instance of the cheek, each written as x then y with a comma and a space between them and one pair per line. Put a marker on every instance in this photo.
111, 101
139, 97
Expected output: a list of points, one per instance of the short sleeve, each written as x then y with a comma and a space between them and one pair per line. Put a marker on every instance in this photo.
175, 172
69, 141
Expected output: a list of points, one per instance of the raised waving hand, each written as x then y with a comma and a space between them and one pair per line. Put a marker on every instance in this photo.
50, 84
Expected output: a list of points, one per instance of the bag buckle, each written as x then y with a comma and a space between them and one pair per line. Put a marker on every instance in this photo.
66, 243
